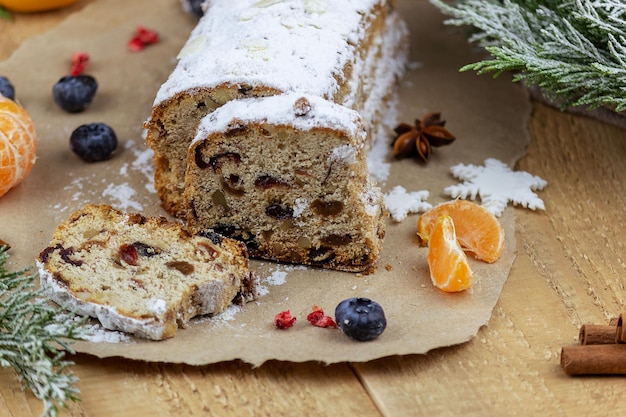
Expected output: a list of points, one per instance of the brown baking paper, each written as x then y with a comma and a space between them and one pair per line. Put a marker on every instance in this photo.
488, 117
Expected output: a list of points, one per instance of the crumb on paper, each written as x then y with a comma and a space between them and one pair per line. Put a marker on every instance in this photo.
124, 195
496, 185
277, 277
400, 203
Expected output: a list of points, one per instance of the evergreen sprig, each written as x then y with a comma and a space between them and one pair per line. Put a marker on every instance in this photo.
34, 338
574, 50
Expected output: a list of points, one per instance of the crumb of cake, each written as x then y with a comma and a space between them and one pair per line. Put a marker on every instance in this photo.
388, 267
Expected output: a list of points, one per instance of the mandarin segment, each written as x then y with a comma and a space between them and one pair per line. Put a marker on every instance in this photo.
18, 144
448, 264
477, 230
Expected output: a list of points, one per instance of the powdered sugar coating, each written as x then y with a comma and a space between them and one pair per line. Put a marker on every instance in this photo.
286, 45
321, 114
108, 316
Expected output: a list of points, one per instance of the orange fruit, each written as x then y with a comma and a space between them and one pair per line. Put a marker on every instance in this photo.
31, 6
449, 268
477, 230
18, 144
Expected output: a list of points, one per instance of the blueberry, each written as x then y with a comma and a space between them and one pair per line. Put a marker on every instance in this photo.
193, 7
93, 142
74, 93
6, 88
360, 318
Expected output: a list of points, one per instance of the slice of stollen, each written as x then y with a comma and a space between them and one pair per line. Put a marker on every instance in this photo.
288, 176
142, 275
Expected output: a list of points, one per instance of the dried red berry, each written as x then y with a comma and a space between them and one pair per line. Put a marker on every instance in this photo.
79, 63
142, 38
319, 319
128, 253
284, 320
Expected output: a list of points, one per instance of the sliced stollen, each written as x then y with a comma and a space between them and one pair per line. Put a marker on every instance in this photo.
351, 52
288, 176
142, 275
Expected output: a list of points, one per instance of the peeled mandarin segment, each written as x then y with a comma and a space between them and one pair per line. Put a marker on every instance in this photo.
477, 230
18, 144
449, 268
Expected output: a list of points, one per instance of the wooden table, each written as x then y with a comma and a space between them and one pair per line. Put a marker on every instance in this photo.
569, 271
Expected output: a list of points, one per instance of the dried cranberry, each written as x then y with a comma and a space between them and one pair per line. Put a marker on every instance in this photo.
319, 319
284, 320
128, 253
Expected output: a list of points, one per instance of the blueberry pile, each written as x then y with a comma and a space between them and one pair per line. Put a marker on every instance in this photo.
6, 88
360, 318
93, 142
74, 93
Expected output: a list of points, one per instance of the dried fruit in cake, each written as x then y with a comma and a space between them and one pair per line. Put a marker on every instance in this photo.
360, 318
477, 230
93, 142
6, 88
74, 93
448, 264
18, 144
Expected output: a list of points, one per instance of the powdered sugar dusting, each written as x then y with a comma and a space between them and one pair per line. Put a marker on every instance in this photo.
284, 45
344, 153
93, 188
277, 276
98, 334
322, 114
124, 195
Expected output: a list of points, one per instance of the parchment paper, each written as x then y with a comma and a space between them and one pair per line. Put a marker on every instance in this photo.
488, 117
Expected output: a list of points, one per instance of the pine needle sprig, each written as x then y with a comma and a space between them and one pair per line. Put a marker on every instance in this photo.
574, 50
35, 337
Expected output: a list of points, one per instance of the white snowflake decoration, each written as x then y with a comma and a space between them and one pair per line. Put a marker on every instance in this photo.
400, 203
496, 184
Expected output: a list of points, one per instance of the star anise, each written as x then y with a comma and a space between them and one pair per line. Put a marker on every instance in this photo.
421, 137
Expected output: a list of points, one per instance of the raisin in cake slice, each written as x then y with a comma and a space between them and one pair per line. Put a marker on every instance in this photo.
351, 52
287, 175
142, 275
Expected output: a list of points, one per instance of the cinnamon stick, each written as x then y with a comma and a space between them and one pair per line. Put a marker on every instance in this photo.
620, 331
607, 359
596, 334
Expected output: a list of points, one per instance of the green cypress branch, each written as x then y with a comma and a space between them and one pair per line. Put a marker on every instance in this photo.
34, 338
574, 50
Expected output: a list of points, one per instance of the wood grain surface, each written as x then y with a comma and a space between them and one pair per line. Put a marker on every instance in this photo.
569, 271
